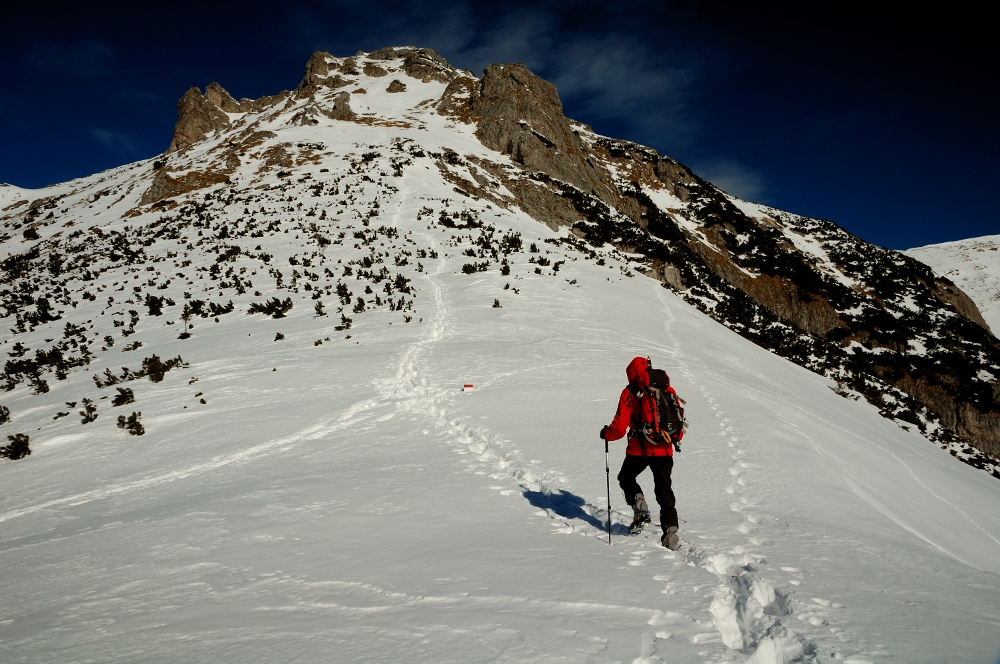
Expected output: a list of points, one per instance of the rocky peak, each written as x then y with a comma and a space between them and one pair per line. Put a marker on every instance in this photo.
520, 114
317, 74
218, 97
197, 117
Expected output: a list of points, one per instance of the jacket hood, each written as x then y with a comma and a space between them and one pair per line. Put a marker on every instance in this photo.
638, 371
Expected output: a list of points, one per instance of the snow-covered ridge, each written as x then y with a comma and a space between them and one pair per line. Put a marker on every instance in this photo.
974, 265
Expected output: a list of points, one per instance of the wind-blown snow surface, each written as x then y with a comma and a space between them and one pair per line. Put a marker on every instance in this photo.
347, 502
355, 506
974, 266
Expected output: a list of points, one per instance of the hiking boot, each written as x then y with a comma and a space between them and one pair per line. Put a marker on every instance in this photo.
641, 514
641, 518
670, 538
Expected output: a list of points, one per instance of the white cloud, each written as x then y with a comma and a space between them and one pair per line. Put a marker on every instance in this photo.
116, 142
732, 177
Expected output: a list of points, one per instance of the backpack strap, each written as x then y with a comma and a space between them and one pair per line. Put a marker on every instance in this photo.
656, 395
638, 393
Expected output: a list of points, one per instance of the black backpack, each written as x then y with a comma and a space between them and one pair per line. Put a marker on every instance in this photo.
668, 416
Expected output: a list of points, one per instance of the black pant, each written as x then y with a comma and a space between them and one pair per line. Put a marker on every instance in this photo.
660, 467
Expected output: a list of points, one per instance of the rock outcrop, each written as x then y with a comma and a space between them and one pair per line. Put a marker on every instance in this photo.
520, 114
317, 74
197, 117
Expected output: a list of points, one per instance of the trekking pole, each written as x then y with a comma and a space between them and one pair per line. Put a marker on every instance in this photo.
607, 473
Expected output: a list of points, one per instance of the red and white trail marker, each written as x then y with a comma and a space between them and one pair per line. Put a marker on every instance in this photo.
467, 387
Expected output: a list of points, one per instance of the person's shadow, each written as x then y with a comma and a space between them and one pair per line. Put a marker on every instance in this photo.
572, 506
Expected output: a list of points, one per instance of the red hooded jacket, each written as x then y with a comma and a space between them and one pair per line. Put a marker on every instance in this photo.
637, 371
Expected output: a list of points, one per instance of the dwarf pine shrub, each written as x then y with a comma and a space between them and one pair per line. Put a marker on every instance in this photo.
131, 424
17, 448
125, 395
274, 307
89, 412
345, 323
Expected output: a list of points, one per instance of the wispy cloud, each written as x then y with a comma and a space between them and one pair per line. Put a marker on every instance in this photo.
635, 86
133, 95
116, 142
733, 178
80, 58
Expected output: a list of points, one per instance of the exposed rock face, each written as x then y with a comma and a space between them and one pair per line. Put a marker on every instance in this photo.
396, 86
457, 98
427, 65
387, 53
520, 114
317, 72
349, 66
219, 98
197, 117
339, 107
165, 186
371, 69
951, 294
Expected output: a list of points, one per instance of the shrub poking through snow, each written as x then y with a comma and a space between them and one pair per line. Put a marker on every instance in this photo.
345, 323
89, 412
155, 304
496, 304
278, 336
125, 395
131, 424
17, 448
274, 307
4, 414
472, 268
319, 309
152, 367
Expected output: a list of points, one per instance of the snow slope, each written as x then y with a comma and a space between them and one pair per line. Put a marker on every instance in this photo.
335, 496
974, 266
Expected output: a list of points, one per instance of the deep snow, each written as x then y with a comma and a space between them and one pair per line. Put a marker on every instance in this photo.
356, 506
348, 502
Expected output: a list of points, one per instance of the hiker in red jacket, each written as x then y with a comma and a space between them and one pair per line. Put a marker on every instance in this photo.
651, 412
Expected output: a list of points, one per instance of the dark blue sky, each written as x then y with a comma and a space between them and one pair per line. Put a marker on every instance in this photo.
885, 122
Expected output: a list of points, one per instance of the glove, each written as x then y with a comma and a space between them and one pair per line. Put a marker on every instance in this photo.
604, 431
